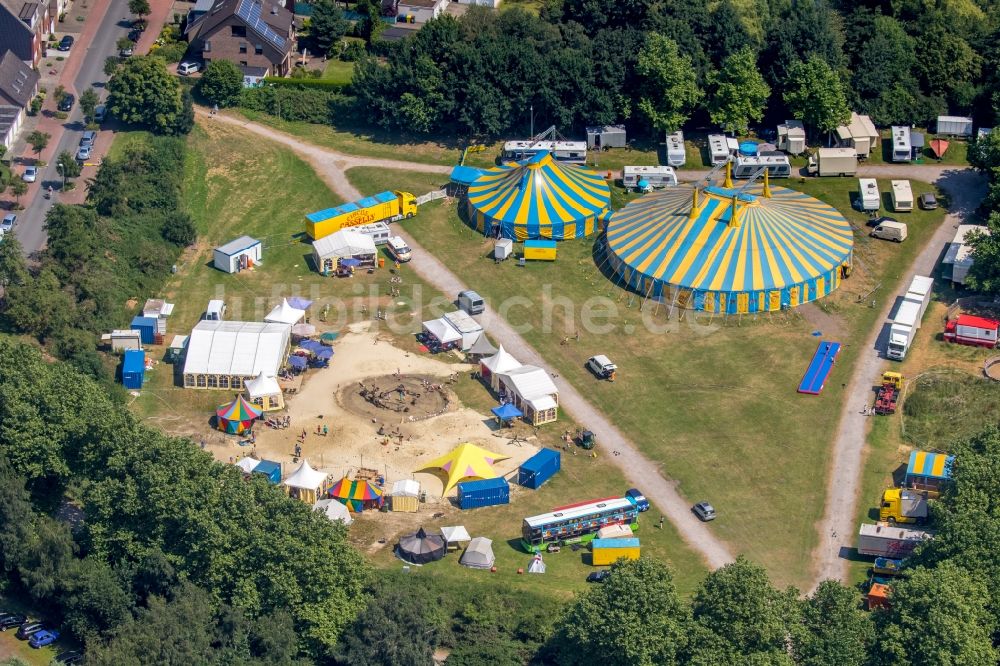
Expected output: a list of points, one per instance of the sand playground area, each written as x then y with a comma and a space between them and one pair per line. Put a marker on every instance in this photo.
394, 431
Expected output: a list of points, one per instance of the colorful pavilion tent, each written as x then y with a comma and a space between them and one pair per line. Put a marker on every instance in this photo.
939, 147
781, 251
538, 198
466, 461
421, 547
237, 416
357, 495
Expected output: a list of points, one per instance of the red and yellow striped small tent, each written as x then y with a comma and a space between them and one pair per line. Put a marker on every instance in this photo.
237, 416
357, 495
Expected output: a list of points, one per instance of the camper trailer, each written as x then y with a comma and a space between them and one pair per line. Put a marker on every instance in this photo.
902, 149
656, 176
379, 231
746, 166
902, 196
792, 137
871, 198
676, 154
571, 152
718, 148
955, 126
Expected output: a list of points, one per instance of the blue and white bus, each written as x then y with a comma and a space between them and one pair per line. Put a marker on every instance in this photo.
578, 523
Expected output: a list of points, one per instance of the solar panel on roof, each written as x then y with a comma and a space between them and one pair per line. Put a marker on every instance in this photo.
249, 11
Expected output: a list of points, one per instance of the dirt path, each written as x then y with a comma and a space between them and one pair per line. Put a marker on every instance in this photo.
966, 189
645, 473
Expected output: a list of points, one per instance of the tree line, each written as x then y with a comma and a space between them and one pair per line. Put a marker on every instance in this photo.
657, 64
984, 274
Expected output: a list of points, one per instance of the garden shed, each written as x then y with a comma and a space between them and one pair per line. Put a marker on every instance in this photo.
237, 255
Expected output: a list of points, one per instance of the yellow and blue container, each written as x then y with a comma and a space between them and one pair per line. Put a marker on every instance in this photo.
609, 551
540, 250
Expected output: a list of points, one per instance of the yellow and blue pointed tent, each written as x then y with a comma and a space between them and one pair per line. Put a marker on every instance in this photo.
466, 461
539, 198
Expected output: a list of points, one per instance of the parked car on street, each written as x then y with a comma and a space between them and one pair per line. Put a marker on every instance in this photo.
125, 52
43, 638
66, 43
8, 222
704, 511
66, 104
598, 576
30, 174
83, 154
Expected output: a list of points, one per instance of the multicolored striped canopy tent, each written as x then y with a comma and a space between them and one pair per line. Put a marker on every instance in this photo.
357, 495
780, 252
237, 416
538, 198
466, 461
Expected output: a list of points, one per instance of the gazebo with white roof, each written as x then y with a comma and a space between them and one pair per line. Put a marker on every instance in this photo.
491, 367
307, 484
283, 313
264, 391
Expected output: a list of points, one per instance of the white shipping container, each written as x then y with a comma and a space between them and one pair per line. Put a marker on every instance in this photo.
954, 125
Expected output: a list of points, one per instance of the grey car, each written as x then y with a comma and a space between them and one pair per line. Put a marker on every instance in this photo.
928, 201
704, 511
83, 154
8, 222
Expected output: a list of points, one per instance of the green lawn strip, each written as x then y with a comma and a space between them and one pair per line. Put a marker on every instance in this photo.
717, 412
339, 71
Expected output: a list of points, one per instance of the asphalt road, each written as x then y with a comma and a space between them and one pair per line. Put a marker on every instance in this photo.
30, 229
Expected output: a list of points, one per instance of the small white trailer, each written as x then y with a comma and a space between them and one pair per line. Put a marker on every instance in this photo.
902, 196
871, 198
833, 162
655, 176
718, 149
902, 149
955, 126
746, 166
676, 154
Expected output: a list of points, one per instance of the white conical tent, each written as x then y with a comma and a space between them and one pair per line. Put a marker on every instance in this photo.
537, 565
502, 361
261, 386
305, 477
285, 314
247, 464
334, 510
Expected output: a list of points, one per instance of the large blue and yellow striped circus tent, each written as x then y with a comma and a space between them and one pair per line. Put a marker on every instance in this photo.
538, 198
781, 251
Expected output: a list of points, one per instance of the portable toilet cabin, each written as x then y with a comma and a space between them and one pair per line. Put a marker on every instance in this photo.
871, 198
676, 153
483, 492
539, 468
609, 551
133, 368
902, 196
270, 470
902, 149
146, 327
718, 149
792, 137
540, 250
606, 136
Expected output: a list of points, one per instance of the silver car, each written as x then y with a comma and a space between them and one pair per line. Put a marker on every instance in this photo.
30, 174
704, 511
83, 154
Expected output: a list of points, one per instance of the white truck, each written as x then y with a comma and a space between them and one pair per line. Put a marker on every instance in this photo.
871, 198
907, 320
902, 147
833, 162
676, 154
885, 540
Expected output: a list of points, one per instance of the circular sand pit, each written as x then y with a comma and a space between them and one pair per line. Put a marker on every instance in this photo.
398, 399
991, 368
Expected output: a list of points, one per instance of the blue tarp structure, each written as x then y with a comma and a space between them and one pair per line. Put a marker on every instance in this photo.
270, 469
463, 175
324, 353
507, 411
349, 261
819, 368
312, 345
299, 303
146, 327
298, 362
539, 468
133, 368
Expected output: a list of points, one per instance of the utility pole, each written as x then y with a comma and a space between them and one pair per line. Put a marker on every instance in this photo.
532, 121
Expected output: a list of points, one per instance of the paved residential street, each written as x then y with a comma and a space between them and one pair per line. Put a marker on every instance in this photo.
97, 42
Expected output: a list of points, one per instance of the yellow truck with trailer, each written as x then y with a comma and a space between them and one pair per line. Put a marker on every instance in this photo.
382, 207
903, 506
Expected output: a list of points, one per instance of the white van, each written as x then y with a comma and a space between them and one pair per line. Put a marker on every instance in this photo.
215, 311
890, 230
188, 68
398, 249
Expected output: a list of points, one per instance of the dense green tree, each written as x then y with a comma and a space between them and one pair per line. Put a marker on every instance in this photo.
142, 92
139, 7
394, 629
814, 94
13, 267
111, 64
18, 188
370, 25
984, 274
93, 601
88, 103
883, 81
739, 605
802, 30
67, 165
635, 618
40, 307
729, 33
938, 616
327, 26
737, 93
833, 629
221, 83
670, 88
949, 68
38, 140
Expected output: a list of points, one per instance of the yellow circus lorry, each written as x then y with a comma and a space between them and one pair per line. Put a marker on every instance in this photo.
381, 207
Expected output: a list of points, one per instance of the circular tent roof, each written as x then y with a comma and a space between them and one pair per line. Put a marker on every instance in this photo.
538, 198
782, 251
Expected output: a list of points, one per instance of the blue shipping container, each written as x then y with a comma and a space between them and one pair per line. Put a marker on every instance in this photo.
486, 492
270, 469
539, 468
146, 327
133, 368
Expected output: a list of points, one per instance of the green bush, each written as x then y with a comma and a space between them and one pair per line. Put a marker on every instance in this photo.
172, 52
352, 51
300, 104
321, 84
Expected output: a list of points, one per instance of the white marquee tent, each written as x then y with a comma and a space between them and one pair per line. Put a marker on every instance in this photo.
334, 510
224, 354
500, 362
283, 313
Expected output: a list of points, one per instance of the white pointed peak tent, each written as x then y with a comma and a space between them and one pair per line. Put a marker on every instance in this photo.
454, 536
502, 361
261, 386
305, 477
405, 488
537, 565
479, 554
333, 510
247, 464
284, 313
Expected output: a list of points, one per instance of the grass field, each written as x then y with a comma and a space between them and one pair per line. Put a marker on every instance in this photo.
711, 399
231, 189
339, 71
955, 155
